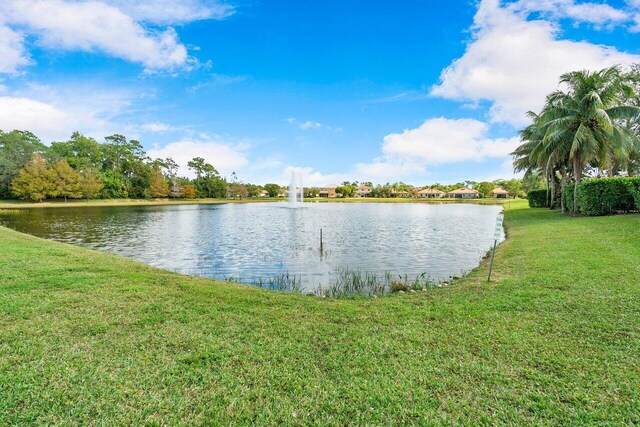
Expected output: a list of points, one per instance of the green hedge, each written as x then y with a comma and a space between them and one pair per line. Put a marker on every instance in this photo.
633, 186
568, 197
604, 196
537, 198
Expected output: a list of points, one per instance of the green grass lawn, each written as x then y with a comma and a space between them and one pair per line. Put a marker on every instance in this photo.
89, 338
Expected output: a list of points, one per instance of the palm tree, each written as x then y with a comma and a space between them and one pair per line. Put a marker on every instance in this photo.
536, 155
587, 120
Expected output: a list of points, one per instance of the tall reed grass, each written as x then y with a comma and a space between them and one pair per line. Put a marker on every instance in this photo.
346, 283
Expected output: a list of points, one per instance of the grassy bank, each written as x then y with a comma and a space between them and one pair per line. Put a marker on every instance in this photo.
88, 338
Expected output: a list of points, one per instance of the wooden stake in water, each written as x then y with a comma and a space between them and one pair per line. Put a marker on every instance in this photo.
321, 240
496, 237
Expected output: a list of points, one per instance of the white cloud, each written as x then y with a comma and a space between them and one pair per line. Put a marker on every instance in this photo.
38, 117
156, 127
173, 11
54, 113
216, 80
274, 170
309, 124
112, 27
389, 169
504, 171
438, 141
407, 156
442, 140
225, 157
513, 63
96, 26
311, 177
599, 14
636, 27
12, 53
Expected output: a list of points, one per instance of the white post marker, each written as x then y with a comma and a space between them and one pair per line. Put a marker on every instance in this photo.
496, 237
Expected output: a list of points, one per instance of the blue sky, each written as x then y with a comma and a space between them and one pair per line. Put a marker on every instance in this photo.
413, 90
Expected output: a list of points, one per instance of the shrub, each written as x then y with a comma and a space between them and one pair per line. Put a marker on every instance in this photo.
633, 186
568, 197
537, 198
604, 196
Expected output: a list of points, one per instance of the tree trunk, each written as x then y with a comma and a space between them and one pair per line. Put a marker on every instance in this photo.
548, 192
563, 190
577, 174
552, 202
615, 170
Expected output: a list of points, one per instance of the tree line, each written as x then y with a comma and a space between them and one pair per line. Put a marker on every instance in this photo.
81, 167
589, 127
118, 168
515, 187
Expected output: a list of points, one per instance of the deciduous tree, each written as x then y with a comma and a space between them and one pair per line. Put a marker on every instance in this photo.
16, 148
485, 188
513, 186
158, 185
272, 189
189, 191
36, 181
68, 181
90, 184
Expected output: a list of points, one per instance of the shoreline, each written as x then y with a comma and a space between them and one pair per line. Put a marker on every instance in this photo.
13, 204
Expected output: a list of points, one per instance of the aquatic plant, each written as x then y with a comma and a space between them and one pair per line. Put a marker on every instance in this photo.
346, 283
349, 283
282, 282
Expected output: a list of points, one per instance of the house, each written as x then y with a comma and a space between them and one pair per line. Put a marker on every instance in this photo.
500, 193
263, 193
430, 193
464, 193
363, 191
283, 193
399, 193
329, 191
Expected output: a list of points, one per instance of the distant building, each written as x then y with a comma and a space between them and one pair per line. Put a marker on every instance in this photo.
399, 193
329, 191
263, 193
500, 193
363, 191
430, 193
464, 193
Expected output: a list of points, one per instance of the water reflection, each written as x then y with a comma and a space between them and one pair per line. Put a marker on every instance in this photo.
257, 241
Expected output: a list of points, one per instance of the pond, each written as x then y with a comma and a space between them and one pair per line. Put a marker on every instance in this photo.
252, 242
